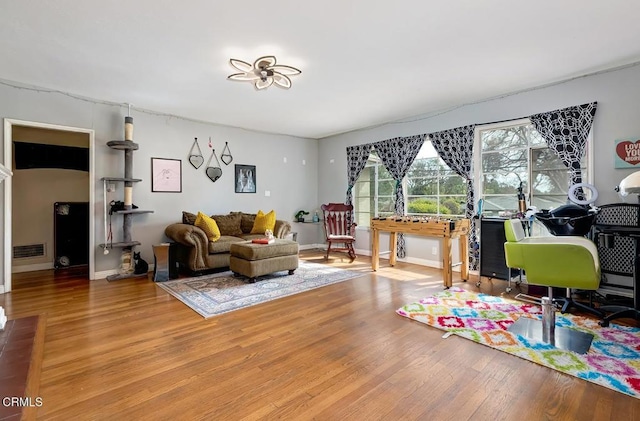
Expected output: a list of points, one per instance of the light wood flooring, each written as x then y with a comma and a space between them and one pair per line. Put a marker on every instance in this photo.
127, 350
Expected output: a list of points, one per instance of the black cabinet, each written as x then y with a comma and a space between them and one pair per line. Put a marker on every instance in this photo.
616, 233
71, 234
492, 239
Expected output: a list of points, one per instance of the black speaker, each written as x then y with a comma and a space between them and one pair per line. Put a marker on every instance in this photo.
492, 239
71, 234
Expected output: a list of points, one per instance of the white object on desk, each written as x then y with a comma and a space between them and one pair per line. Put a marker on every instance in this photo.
629, 184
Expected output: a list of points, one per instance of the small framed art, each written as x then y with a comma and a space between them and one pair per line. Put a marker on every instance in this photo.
166, 175
245, 178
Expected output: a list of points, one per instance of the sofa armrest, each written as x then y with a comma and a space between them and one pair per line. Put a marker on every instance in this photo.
281, 229
194, 239
188, 235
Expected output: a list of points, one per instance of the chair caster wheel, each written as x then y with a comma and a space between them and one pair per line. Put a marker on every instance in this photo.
604, 323
478, 284
508, 289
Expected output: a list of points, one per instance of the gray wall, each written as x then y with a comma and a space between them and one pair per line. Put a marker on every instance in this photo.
293, 186
618, 96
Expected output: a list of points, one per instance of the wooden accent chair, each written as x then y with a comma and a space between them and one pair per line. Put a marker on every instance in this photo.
339, 228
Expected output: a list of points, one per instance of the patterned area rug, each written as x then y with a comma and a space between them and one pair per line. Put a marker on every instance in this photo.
613, 361
211, 295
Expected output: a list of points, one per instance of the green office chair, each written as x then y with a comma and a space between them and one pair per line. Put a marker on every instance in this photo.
565, 262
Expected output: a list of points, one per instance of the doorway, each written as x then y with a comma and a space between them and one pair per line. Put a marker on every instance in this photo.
12, 128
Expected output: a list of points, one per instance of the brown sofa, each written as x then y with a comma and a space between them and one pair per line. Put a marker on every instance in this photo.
194, 251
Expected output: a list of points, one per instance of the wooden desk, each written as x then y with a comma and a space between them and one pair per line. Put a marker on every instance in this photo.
439, 228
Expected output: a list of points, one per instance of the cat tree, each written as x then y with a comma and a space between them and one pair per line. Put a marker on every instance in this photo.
127, 244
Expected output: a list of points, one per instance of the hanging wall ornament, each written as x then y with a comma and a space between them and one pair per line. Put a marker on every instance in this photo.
196, 159
226, 154
213, 172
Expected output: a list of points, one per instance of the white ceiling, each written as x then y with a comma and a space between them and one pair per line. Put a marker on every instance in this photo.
363, 62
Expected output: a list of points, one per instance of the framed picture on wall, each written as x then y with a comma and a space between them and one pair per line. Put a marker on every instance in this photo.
166, 175
627, 153
245, 178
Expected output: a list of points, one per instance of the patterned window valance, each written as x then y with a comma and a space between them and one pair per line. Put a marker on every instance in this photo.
357, 157
397, 155
455, 147
566, 131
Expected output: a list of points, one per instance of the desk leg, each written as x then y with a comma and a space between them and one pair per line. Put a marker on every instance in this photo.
375, 249
464, 257
446, 262
393, 246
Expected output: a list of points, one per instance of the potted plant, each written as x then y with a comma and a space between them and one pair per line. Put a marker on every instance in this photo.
300, 215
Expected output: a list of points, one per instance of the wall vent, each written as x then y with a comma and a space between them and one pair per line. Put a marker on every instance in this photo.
31, 250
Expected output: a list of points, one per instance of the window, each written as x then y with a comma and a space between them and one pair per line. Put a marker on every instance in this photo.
509, 154
430, 188
506, 156
374, 192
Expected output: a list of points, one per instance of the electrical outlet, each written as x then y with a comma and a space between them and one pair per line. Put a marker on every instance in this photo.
434, 250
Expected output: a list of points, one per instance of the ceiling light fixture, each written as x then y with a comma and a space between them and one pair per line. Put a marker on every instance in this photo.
263, 73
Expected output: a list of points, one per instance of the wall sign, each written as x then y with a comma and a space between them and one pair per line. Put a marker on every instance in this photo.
627, 153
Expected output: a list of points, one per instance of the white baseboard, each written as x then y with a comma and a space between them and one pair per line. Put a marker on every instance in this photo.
311, 246
31, 268
422, 262
103, 274
415, 260
47, 266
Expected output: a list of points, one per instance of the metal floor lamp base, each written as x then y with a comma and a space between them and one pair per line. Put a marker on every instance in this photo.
562, 337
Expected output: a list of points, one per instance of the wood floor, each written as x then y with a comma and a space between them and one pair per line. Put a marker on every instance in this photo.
127, 350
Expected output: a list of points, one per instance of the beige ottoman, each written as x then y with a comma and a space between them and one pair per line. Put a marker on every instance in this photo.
253, 260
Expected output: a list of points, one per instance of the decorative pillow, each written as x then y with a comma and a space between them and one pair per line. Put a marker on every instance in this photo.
208, 225
246, 221
229, 224
188, 218
264, 222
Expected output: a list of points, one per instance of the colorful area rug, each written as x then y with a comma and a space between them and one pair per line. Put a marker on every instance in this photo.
613, 361
211, 295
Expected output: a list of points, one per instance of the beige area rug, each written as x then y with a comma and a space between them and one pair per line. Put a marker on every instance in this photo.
211, 295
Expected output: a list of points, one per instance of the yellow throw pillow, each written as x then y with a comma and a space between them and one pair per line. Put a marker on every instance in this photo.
208, 225
264, 222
